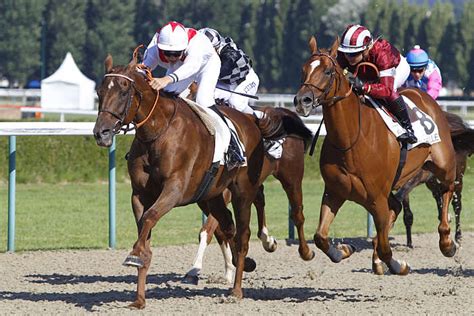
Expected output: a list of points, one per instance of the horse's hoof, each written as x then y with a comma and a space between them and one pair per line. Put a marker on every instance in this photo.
308, 256
133, 261
270, 246
137, 305
451, 251
190, 279
458, 238
237, 293
405, 269
250, 265
346, 249
379, 268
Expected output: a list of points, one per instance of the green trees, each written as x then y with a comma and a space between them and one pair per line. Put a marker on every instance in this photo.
20, 25
274, 33
66, 32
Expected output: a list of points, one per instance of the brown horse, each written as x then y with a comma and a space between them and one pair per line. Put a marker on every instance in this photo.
289, 170
359, 158
463, 140
171, 156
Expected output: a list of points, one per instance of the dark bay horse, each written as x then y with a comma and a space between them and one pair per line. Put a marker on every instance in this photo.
169, 157
463, 140
289, 170
360, 156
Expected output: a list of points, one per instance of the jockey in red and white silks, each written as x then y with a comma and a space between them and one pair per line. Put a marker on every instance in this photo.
358, 46
187, 56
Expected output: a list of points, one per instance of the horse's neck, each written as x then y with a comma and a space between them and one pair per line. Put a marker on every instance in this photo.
342, 121
157, 121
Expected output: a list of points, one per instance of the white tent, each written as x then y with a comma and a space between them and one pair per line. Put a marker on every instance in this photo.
68, 88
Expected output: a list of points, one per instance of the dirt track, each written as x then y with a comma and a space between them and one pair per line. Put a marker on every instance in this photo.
80, 282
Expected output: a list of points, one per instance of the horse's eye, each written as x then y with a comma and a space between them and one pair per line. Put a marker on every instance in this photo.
327, 72
124, 93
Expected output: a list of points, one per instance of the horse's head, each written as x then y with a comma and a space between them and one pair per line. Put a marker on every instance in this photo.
321, 79
120, 94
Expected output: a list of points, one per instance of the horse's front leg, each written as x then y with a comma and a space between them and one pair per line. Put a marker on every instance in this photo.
138, 210
205, 237
385, 213
330, 205
140, 256
268, 242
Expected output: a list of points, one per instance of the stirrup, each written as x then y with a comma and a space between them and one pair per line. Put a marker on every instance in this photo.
408, 137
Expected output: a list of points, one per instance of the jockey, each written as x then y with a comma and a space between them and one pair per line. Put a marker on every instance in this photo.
424, 73
236, 72
357, 46
188, 57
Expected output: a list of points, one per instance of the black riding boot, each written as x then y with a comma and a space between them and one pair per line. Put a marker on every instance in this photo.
399, 109
233, 157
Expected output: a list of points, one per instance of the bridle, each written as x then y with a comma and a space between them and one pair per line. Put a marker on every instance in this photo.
119, 126
322, 99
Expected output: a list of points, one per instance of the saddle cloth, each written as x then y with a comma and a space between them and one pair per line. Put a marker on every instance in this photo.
423, 125
217, 128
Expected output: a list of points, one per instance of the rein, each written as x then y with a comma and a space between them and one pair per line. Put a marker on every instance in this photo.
325, 92
330, 102
121, 118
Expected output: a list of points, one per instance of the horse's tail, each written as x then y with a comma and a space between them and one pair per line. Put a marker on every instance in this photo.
461, 134
280, 122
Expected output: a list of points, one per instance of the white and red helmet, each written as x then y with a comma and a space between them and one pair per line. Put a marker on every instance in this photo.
173, 37
355, 39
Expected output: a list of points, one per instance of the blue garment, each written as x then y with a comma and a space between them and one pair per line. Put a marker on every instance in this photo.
431, 82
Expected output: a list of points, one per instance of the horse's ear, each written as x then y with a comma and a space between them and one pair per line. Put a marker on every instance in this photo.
108, 63
334, 47
313, 46
136, 52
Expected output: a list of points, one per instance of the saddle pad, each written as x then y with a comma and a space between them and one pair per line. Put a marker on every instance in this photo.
217, 128
423, 125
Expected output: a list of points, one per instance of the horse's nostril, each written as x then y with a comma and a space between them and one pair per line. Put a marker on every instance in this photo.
307, 100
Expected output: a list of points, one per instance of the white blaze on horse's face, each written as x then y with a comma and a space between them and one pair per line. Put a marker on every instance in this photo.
111, 84
313, 65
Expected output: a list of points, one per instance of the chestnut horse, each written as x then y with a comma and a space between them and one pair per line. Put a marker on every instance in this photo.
360, 157
463, 140
169, 158
289, 170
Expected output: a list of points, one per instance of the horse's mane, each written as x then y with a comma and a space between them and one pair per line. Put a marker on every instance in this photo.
280, 122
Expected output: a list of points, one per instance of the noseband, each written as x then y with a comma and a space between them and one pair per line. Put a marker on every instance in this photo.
120, 123
322, 99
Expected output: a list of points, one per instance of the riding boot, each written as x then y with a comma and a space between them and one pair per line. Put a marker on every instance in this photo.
234, 157
399, 109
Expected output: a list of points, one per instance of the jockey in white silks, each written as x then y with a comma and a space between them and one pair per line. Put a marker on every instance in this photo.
188, 57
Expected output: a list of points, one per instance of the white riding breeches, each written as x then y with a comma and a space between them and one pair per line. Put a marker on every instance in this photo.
206, 80
236, 101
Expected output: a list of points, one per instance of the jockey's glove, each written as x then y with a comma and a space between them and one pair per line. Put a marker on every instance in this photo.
357, 84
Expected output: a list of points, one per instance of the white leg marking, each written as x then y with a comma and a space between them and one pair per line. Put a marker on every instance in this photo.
228, 266
197, 264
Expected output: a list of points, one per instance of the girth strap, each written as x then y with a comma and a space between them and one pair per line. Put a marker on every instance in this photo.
206, 182
401, 164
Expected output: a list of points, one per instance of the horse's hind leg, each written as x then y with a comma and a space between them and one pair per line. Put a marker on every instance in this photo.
407, 219
292, 184
457, 205
268, 242
329, 208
